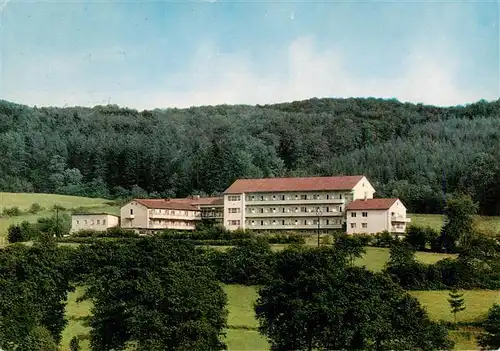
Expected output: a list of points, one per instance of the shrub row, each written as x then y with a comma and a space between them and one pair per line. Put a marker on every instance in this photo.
476, 267
15, 211
225, 237
114, 232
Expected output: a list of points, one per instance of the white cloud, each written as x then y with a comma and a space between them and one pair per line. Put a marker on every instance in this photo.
304, 73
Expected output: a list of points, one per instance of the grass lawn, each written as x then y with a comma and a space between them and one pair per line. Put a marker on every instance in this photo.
242, 331
25, 200
477, 303
436, 221
376, 257
47, 201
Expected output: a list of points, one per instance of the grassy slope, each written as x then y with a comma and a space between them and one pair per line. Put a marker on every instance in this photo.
47, 201
24, 200
436, 221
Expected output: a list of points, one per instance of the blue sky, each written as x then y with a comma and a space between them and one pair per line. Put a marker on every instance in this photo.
156, 54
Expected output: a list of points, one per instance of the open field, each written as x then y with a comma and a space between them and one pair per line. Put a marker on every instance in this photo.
436, 221
477, 303
25, 200
242, 331
376, 257
47, 201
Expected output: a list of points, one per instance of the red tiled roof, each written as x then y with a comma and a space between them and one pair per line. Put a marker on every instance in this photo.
166, 204
293, 184
201, 200
371, 204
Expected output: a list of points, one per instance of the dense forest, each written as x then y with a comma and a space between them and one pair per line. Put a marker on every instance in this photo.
416, 152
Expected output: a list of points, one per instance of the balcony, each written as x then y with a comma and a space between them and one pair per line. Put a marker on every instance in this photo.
292, 226
169, 216
400, 219
212, 215
292, 214
257, 202
398, 229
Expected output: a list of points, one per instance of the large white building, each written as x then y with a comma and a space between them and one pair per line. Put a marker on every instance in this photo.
292, 203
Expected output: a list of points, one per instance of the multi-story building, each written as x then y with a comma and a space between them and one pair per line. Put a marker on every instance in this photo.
376, 215
146, 215
93, 221
292, 203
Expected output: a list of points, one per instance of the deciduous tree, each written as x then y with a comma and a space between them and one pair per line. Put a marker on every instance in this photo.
317, 301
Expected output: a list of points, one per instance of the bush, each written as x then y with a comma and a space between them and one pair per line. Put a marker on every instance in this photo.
15, 234
22, 232
251, 263
114, 232
12, 211
229, 237
35, 208
384, 239
420, 238
117, 232
285, 239
366, 239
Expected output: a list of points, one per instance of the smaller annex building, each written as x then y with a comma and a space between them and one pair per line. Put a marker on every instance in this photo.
370, 216
93, 221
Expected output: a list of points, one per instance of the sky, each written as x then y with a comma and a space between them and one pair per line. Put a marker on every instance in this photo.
159, 54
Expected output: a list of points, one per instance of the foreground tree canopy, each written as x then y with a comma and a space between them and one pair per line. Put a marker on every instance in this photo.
411, 151
319, 301
34, 283
155, 294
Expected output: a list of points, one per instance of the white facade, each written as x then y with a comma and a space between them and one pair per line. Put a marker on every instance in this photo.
156, 215
292, 210
93, 221
375, 220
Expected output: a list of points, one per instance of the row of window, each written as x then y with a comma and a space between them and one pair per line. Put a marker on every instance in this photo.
296, 222
326, 209
166, 223
170, 212
294, 197
363, 225
287, 197
233, 222
91, 222
363, 214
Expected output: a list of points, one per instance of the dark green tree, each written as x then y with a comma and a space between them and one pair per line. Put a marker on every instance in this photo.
157, 294
318, 301
457, 303
490, 338
459, 227
74, 344
34, 282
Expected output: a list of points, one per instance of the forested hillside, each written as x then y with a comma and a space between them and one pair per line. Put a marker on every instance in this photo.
412, 151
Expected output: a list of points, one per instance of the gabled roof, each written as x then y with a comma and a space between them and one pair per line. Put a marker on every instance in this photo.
165, 204
92, 214
201, 201
371, 204
293, 184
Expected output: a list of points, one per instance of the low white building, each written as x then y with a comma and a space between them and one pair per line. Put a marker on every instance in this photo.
93, 221
371, 216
